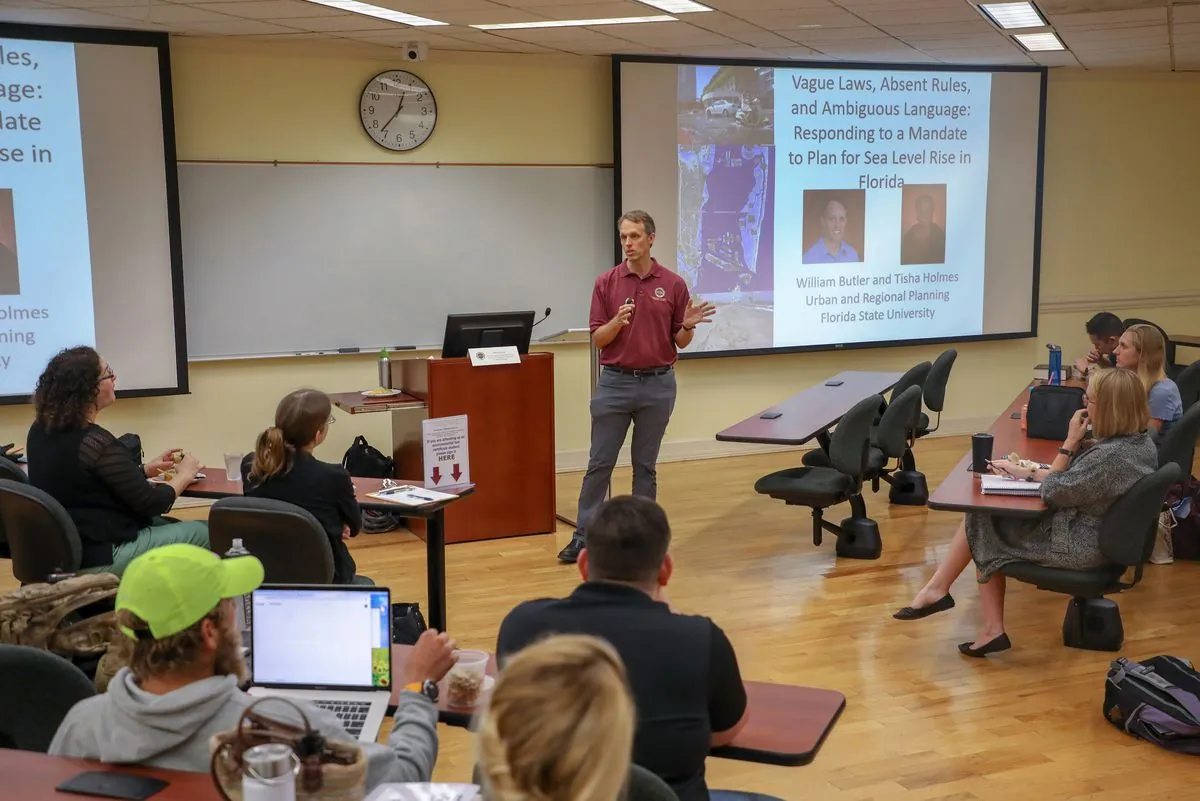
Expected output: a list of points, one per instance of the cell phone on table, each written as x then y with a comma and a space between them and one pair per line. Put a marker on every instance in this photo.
112, 785
770, 415
834, 383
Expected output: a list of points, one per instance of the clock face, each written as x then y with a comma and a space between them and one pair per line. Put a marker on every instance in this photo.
398, 110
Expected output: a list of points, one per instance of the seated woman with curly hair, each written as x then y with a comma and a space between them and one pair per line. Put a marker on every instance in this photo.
96, 478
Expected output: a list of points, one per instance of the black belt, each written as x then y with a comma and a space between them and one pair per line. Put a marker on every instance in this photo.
640, 373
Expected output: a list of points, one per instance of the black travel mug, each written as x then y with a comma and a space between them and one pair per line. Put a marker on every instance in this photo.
981, 452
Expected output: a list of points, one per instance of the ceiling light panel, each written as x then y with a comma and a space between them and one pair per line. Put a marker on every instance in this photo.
1039, 42
1012, 16
573, 23
676, 6
368, 10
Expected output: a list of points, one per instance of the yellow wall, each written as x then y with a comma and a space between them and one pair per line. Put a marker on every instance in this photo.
1122, 184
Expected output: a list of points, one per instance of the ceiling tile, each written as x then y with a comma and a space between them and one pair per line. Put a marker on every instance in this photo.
595, 10
236, 27
800, 17
273, 9
168, 14
659, 33
70, 16
341, 22
497, 15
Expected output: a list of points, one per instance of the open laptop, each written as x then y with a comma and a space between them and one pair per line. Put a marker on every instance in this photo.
328, 645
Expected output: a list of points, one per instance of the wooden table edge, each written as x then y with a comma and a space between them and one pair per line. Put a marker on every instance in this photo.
785, 759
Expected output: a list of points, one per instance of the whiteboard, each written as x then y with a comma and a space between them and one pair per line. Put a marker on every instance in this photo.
297, 258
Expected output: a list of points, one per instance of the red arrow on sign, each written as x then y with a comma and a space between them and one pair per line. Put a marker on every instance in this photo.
437, 474
456, 472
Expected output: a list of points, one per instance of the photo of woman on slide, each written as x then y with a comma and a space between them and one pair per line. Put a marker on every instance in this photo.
924, 224
10, 276
833, 225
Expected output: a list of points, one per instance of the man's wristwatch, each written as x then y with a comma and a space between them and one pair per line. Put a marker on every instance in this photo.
427, 688
689, 328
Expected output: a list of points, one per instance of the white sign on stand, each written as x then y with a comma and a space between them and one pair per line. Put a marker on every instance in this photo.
486, 357
447, 458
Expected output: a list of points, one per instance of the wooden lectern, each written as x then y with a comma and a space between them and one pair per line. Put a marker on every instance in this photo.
510, 433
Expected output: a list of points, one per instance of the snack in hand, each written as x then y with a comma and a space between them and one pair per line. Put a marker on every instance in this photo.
176, 456
1028, 464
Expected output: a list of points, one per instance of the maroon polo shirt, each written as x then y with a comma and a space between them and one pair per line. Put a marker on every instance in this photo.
659, 302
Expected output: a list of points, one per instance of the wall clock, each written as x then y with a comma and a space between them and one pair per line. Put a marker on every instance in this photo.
398, 110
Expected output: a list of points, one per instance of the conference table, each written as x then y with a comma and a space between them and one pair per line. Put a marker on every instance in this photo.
216, 485
811, 412
787, 723
960, 490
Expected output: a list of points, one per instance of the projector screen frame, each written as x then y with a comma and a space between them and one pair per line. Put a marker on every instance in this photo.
162, 44
619, 59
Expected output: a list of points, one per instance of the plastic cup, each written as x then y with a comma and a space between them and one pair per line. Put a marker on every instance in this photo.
464, 683
233, 466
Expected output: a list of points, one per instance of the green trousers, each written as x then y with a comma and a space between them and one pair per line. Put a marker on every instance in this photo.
193, 532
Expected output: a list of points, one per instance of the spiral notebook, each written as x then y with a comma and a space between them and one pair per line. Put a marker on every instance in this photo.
1003, 485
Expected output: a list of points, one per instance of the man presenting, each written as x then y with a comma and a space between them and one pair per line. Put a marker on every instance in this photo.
641, 315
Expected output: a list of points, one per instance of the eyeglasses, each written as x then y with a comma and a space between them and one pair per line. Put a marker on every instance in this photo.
332, 420
108, 374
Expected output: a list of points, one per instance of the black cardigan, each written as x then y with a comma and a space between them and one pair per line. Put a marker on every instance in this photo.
99, 483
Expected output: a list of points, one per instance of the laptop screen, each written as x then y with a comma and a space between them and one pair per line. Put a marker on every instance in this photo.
321, 637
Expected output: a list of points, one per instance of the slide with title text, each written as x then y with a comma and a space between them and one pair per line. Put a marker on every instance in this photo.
45, 261
820, 206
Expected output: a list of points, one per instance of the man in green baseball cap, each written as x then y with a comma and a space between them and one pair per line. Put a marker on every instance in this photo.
181, 686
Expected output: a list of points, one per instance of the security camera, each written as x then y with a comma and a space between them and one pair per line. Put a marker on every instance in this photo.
415, 51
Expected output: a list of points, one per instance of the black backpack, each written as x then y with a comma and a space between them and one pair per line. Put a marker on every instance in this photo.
363, 460
1157, 700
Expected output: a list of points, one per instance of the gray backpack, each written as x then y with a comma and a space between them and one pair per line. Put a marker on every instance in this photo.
1157, 700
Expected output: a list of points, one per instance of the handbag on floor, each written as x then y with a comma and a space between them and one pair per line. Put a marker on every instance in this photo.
407, 623
1157, 700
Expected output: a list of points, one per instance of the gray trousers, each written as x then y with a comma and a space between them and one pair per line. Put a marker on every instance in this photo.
647, 402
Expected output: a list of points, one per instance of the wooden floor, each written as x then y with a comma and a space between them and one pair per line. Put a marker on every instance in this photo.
921, 721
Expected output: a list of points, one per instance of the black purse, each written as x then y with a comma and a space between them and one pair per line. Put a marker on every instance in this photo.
407, 623
1051, 408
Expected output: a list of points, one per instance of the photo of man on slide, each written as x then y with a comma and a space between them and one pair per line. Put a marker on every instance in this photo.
10, 276
831, 217
924, 209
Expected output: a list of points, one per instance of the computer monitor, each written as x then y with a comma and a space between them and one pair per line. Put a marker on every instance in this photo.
488, 330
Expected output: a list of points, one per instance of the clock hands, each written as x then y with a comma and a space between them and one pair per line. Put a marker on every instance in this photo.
397, 114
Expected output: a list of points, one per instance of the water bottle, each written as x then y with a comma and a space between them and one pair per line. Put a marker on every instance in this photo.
1055, 371
242, 604
385, 370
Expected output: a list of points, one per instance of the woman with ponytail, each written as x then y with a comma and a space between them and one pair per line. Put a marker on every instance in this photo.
283, 468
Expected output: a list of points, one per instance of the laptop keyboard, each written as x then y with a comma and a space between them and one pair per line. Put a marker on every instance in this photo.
352, 714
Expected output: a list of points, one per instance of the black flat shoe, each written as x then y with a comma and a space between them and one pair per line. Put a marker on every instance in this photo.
940, 605
992, 646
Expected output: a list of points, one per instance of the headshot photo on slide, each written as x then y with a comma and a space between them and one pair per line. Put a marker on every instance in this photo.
10, 277
923, 224
834, 226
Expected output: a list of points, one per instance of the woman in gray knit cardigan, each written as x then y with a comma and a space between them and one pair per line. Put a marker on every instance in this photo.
1078, 488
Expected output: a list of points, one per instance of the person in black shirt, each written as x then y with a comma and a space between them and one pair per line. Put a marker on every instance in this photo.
95, 477
682, 669
283, 468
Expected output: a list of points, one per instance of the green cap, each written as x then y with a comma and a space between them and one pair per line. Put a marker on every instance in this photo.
175, 586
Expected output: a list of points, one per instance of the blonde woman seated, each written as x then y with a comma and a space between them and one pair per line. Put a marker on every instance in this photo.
559, 725
1142, 349
1078, 488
